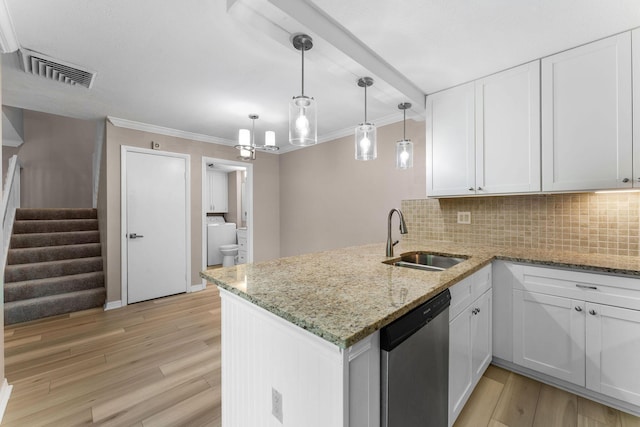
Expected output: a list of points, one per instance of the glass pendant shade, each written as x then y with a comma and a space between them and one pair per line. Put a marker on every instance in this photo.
244, 137
404, 154
366, 147
270, 138
302, 121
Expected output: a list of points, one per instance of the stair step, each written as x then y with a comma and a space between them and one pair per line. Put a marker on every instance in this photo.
56, 213
41, 270
52, 305
17, 291
54, 226
54, 239
52, 253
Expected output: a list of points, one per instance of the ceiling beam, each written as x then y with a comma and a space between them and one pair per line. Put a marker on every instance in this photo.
309, 15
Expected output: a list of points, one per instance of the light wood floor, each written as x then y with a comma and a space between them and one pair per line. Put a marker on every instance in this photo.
157, 363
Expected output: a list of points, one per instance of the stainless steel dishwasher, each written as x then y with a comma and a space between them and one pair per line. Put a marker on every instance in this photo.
415, 366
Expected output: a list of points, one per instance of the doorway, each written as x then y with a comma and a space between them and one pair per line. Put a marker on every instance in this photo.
155, 220
242, 197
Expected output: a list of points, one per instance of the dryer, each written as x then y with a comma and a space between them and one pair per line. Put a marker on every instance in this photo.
219, 233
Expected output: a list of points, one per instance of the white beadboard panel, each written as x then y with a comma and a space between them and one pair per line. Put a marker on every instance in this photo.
261, 351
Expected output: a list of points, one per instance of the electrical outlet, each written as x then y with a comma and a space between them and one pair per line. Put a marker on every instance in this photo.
155, 145
276, 404
464, 217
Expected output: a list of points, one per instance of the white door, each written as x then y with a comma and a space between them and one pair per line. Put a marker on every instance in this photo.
586, 117
549, 335
156, 224
451, 152
481, 343
612, 347
508, 131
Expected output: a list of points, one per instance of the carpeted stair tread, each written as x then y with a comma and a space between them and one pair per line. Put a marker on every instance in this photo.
54, 239
36, 308
16, 291
56, 213
52, 253
54, 226
40, 270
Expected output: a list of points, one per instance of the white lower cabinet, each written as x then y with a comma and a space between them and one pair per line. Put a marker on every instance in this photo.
470, 334
581, 328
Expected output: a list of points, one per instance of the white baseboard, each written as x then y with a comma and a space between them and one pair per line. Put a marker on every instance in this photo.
198, 287
112, 305
5, 392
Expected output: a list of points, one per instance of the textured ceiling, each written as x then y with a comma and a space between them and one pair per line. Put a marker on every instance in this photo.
203, 66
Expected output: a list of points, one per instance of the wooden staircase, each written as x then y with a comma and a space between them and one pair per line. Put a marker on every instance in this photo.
54, 264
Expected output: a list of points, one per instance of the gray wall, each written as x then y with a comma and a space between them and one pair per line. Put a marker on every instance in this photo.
330, 200
266, 234
57, 161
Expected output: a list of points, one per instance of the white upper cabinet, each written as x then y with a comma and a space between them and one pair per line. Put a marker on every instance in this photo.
451, 142
635, 34
586, 117
484, 137
218, 192
508, 131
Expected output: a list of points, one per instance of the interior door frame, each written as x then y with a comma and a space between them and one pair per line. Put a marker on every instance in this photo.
124, 149
248, 189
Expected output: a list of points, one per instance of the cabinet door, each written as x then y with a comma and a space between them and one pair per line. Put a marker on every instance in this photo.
219, 192
549, 335
586, 117
508, 131
613, 352
451, 142
481, 343
460, 363
635, 34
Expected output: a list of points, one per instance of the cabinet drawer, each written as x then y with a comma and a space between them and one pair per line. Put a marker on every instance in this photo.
598, 288
468, 290
242, 257
242, 244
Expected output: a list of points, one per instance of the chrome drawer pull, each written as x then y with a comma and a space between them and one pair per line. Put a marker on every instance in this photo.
595, 288
592, 312
578, 308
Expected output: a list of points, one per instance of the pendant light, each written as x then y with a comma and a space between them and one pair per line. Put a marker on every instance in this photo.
365, 132
302, 109
404, 148
247, 141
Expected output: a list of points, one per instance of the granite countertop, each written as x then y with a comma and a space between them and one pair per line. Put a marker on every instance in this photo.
344, 295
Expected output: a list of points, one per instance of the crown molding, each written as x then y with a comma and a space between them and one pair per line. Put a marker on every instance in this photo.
146, 127
8, 39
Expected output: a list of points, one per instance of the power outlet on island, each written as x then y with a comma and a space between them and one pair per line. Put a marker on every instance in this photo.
276, 404
464, 217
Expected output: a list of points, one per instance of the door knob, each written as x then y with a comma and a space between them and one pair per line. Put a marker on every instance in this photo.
625, 180
135, 236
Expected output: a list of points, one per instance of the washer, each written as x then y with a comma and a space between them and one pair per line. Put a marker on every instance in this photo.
219, 233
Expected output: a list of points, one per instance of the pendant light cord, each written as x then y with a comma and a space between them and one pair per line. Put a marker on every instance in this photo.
302, 50
365, 104
253, 132
404, 124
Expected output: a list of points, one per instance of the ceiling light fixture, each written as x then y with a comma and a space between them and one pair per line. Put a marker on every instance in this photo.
247, 141
302, 109
365, 132
404, 148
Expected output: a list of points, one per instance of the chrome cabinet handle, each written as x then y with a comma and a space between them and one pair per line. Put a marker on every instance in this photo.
475, 311
578, 308
592, 312
135, 236
625, 179
595, 288
472, 189
479, 188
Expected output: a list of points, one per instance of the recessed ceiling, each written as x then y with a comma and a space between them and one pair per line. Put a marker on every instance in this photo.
203, 66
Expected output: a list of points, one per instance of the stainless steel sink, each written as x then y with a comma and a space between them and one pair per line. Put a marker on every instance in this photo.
427, 261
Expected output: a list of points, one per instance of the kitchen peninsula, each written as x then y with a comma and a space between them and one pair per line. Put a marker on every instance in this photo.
299, 334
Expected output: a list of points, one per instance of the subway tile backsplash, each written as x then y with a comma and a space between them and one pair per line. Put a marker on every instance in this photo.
585, 222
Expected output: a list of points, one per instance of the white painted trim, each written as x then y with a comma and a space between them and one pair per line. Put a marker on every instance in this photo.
5, 392
146, 127
123, 213
97, 158
111, 305
249, 189
198, 286
8, 39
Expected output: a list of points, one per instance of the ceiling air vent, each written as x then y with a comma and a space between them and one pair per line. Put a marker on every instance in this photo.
54, 69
